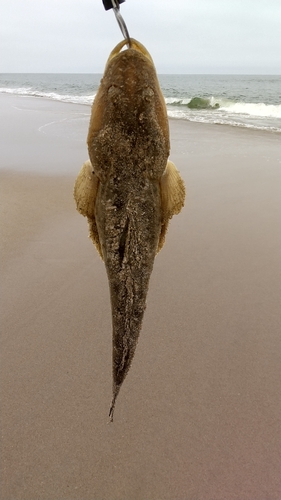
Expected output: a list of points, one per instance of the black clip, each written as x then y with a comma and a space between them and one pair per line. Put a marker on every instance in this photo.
108, 4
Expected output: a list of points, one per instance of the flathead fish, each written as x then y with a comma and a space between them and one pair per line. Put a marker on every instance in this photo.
128, 190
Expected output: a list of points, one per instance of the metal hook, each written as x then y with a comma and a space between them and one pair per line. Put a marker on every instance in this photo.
120, 20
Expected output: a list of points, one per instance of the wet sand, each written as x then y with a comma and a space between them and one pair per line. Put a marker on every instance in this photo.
198, 416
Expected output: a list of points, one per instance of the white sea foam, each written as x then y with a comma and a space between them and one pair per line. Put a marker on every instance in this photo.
25, 91
246, 108
222, 111
223, 119
253, 109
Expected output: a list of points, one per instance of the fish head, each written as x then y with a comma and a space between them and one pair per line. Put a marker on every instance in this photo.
131, 74
129, 97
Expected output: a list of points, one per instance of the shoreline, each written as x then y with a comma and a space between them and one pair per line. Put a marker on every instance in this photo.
83, 107
52, 121
199, 413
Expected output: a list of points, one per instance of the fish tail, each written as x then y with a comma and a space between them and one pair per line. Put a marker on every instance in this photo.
116, 389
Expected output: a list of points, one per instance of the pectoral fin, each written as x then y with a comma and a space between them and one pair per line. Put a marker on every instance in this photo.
172, 198
85, 193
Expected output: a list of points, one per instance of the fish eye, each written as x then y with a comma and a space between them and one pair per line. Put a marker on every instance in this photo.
147, 93
113, 92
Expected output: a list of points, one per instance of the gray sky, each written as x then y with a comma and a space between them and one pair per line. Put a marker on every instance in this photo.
183, 36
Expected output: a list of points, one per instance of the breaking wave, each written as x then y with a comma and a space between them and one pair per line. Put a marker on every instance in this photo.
221, 111
209, 103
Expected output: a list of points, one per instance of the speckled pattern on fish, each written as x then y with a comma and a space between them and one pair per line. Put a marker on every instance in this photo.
128, 190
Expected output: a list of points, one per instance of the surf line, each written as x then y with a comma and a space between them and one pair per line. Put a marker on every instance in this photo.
40, 129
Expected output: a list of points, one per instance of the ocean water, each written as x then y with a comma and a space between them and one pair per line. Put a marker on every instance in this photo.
237, 100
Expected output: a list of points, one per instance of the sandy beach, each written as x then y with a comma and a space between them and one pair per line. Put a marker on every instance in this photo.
198, 416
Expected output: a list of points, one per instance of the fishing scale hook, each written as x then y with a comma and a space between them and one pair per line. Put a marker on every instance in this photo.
114, 4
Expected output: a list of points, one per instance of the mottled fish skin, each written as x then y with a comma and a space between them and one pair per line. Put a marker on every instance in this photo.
128, 144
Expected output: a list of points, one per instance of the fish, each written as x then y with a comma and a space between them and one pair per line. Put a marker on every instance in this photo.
129, 190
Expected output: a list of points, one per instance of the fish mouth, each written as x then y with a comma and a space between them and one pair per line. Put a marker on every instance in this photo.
135, 45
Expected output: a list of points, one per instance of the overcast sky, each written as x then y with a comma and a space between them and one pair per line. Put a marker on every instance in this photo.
183, 36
